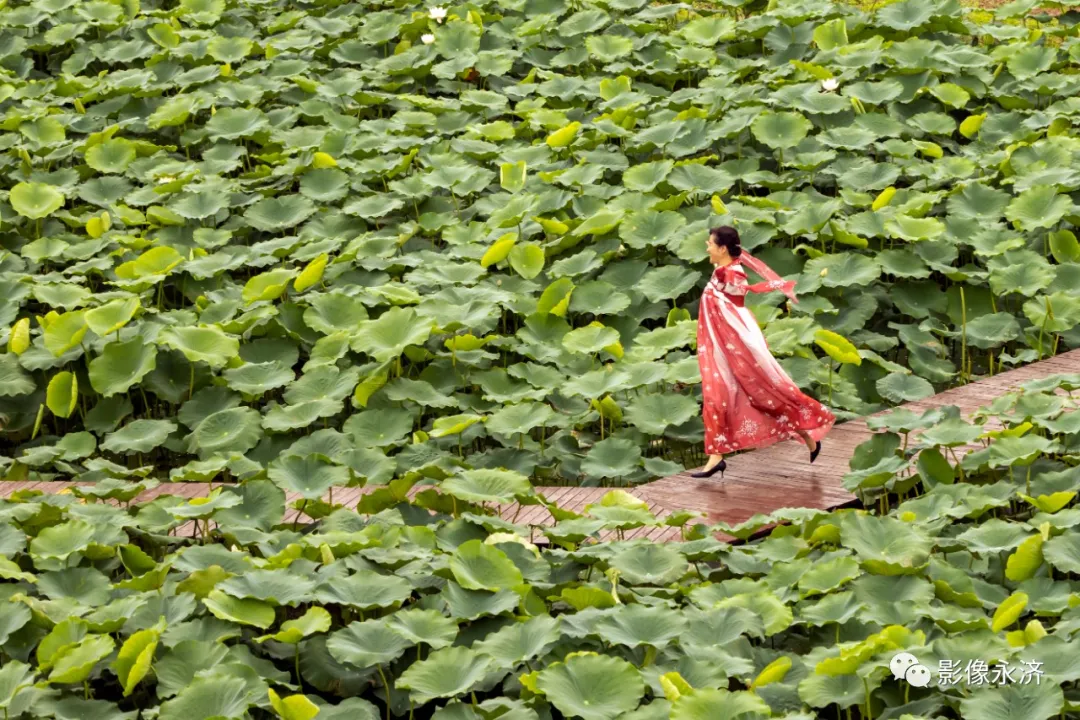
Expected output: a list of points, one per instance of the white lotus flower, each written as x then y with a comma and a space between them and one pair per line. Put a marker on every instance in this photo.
427, 38
830, 84
438, 14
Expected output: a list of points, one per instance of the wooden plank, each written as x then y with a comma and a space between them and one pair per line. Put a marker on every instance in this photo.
757, 482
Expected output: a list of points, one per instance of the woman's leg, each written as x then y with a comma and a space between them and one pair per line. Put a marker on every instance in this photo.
714, 460
810, 442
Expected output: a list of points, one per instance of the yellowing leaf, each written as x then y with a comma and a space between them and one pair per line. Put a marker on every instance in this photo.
1009, 611
674, 686
294, 707
62, 394
838, 347
1027, 558
969, 128
19, 339
773, 672
563, 137
135, 656
1050, 504
498, 250
884, 198
551, 226
311, 274
718, 205
930, 150
323, 160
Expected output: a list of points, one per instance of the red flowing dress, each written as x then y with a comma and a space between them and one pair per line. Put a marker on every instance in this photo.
749, 401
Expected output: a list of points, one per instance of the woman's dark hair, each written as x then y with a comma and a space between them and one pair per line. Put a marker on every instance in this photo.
727, 237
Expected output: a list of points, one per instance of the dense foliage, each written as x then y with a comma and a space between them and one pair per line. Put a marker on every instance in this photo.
457, 615
317, 240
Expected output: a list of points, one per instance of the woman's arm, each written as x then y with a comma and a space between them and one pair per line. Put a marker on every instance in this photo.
734, 281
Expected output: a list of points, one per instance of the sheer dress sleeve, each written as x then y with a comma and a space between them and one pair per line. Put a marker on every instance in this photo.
734, 281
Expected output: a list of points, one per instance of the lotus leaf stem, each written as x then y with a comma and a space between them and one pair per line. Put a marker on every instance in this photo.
386, 687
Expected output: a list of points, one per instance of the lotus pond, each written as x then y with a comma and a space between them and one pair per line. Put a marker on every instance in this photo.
437, 608
335, 240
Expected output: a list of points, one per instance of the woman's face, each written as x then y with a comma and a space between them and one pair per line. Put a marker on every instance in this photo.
717, 254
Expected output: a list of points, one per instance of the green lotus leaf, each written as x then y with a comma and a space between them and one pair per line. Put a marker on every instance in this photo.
481, 485
330, 312
138, 436
447, 672
111, 156
235, 430
282, 418
425, 626
309, 476
477, 566
611, 458
1038, 207
590, 340
650, 564
593, 687
844, 270
709, 704
206, 344
232, 123
885, 545
387, 337
512, 176
279, 213
900, 388
634, 625
13, 379
1038, 701
209, 697
655, 413
367, 643
708, 31
780, 130
666, 283
258, 378
366, 590
243, 611
276, 587
608, 48
229, 49
1023, 450
121, 366
520, 642
520, 418
1030, 61
35, 200
912, 229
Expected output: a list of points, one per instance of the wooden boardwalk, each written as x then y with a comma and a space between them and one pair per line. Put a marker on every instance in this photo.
757, 482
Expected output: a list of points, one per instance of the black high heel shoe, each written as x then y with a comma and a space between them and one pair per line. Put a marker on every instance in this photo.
719, 467
815, 451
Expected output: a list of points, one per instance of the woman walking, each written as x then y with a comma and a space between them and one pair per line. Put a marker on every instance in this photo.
749, 401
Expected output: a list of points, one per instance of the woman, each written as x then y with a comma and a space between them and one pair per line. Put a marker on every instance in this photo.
749, 401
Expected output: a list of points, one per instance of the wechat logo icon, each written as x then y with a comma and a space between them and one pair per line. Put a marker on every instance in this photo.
906, 667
